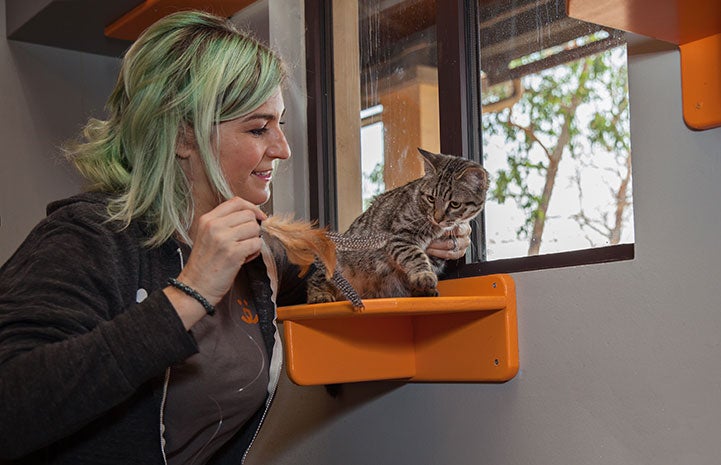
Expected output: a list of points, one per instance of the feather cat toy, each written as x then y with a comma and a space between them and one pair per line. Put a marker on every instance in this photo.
304, 245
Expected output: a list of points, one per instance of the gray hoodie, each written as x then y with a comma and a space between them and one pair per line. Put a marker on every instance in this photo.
83, 351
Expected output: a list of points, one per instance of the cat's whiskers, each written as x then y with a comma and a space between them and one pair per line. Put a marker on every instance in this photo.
423, 226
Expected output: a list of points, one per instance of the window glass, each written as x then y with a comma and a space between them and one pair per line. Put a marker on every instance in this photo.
554, 118
556, 136
399, 91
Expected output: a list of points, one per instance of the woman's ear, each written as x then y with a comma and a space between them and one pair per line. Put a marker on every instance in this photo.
185, 144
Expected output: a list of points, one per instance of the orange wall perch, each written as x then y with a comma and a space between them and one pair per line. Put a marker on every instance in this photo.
469, 333
693, 25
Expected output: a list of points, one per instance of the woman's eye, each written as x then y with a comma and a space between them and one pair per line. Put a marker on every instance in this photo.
259, 131
455, 204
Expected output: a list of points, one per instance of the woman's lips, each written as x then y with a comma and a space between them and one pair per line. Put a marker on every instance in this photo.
264, 175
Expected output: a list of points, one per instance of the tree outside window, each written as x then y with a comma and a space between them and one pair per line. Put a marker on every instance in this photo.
560, 158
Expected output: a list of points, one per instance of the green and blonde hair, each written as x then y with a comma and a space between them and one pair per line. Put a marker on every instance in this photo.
188, 71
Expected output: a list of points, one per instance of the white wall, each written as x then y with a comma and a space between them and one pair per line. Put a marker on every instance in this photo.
620, 362
46, 94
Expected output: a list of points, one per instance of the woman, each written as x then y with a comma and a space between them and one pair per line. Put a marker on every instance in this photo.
137, 321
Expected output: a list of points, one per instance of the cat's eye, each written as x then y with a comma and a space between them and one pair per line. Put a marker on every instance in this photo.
455, 204
430, 198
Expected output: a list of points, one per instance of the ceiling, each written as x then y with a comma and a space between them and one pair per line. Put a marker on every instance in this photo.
70, 24
508, 29
104, 27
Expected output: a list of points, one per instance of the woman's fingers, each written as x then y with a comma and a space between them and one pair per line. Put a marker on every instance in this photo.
463, 230
226, 237
452, 245
234, 226
237, 204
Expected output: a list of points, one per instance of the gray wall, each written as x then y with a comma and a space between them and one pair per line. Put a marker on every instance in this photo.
281, 23
46, 94
620, 363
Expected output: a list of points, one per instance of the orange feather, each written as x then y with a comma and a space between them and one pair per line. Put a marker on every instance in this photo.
303, 242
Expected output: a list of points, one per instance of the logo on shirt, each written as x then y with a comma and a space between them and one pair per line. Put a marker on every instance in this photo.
248, 315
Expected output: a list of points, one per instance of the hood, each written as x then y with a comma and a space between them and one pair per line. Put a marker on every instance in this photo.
90, 198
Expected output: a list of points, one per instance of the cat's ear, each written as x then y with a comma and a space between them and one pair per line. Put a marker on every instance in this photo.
474, 176
429, 160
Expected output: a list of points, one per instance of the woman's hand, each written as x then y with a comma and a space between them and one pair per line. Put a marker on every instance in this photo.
225, 238
453, 245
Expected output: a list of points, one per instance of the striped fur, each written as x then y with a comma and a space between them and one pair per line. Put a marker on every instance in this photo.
409, 217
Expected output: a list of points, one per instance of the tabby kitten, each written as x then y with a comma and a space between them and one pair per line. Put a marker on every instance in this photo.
399, 225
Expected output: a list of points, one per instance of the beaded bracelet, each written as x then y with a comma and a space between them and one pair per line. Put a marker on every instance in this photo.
210, 309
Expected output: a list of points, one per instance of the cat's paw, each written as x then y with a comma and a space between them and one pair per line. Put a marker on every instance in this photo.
424, 284
320, 297
425, 293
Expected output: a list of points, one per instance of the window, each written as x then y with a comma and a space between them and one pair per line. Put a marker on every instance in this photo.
541, 98
555, 131
372, 153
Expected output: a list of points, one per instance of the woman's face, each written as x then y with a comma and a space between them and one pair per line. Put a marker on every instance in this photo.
247, 147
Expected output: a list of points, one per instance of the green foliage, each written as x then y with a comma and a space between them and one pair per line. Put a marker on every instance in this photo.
375, 178
544, 125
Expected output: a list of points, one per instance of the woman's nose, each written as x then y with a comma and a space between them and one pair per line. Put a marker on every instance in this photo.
280, 147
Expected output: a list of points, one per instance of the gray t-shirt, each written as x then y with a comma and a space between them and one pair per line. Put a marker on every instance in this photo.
217, 390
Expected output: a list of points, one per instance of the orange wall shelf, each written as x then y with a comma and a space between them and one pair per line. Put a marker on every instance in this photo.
693, 25
132, 24
467, 334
